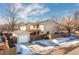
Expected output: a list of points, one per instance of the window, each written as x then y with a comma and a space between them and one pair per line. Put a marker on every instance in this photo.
41, 27
22, 27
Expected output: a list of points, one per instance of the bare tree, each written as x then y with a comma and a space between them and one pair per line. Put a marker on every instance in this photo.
66, 24
11, 16
71, 24
76, 18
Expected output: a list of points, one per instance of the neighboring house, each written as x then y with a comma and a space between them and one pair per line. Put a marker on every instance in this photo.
45, 26
50, 26
33, 31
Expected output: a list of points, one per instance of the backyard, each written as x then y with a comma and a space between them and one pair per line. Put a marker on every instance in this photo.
62, 45
39, 29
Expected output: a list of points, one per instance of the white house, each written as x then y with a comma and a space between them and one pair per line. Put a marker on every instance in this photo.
50, 26
45, 26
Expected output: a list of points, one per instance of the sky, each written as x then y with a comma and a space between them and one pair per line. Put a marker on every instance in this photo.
33, 12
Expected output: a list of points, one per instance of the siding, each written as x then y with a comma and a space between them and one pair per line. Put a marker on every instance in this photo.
52, 27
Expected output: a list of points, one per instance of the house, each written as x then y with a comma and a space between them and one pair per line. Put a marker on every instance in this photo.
50, 26
37, 30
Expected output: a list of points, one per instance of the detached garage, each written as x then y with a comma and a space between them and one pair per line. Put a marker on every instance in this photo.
22, 36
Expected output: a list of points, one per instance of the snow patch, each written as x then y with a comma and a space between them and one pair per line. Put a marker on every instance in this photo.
44, 42
25, 50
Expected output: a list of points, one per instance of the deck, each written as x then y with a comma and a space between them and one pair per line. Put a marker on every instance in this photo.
10, 51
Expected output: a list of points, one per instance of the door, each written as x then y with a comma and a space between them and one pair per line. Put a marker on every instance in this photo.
23, 39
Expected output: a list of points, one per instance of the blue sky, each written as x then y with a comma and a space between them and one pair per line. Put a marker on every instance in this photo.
44, 10
60, 9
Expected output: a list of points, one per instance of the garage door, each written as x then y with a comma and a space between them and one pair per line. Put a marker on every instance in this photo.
23, 39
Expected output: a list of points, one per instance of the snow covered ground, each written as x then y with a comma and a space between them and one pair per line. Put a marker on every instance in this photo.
62, 41
43, 45
32, 49
57, 41
23, 50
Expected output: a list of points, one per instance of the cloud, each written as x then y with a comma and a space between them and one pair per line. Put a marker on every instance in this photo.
2, 20
67, 13
31, 10
37, 10
70, 12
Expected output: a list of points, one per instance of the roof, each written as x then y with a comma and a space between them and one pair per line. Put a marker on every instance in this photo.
49, 21
21, 32
40, 22
44, 22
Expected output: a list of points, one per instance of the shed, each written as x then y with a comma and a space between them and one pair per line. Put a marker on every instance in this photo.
22, 36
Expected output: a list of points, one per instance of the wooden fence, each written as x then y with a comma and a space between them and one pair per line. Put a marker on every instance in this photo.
45, 36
